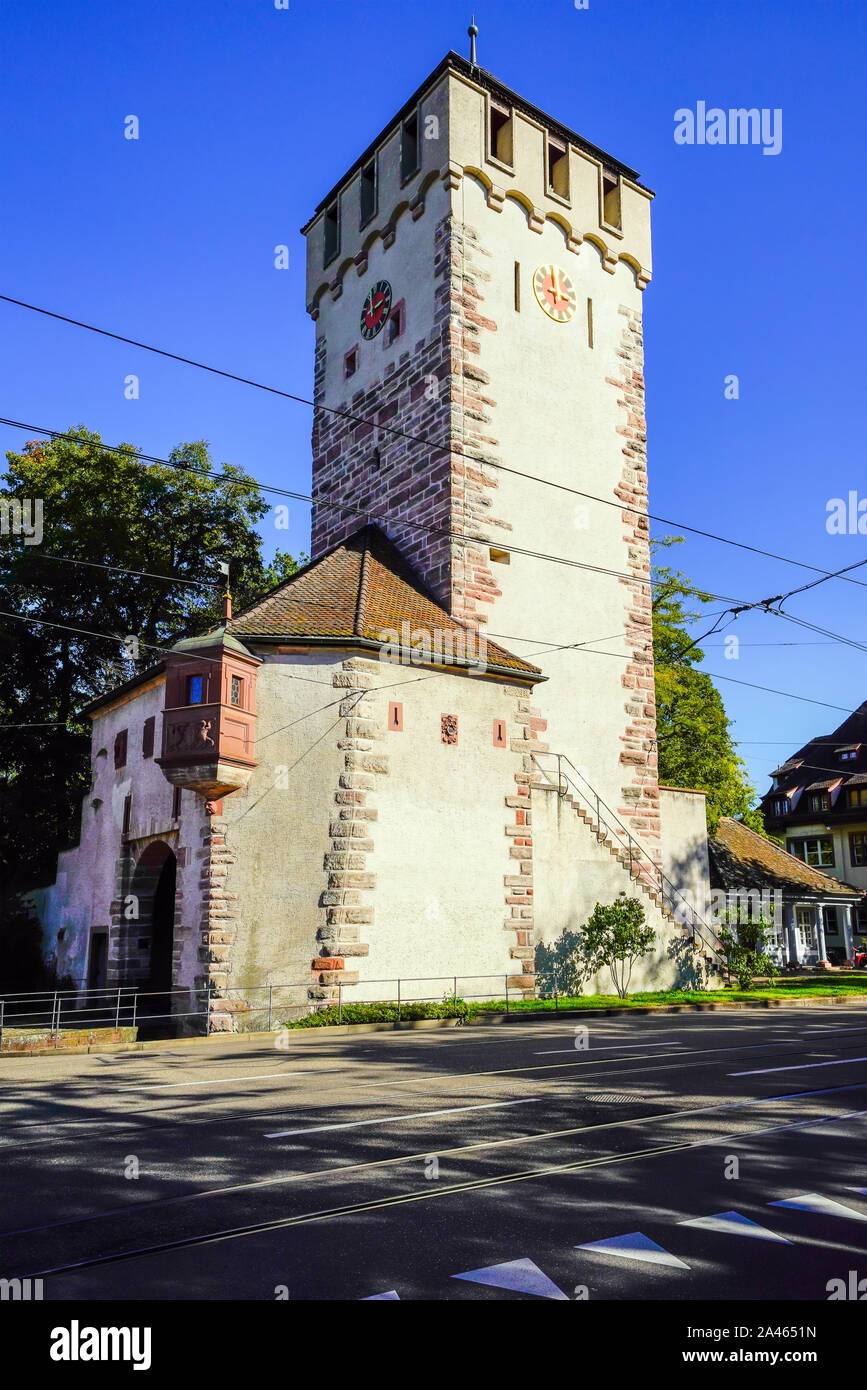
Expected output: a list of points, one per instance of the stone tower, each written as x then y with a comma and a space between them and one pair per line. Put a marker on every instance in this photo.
476, 280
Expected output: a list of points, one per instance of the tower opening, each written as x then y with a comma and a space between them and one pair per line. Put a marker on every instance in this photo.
368, 192
147, 939
611, 198
163, 931
558, 169
409, 147
501, 133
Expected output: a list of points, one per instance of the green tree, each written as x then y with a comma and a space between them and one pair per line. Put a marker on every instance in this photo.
617, 935
22, 967
103, 507
693, 730
745, 947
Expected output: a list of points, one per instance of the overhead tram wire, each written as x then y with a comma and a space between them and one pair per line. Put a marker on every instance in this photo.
835, 638
352, 510
787, 742
763, 604
435, 530
119, 569
825, 632
115, 638
112, 637
784, 644
431, 445
809, 767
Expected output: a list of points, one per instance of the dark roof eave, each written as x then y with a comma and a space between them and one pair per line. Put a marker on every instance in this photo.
485, 79
141, 679
530, 674
845, 891
791, 890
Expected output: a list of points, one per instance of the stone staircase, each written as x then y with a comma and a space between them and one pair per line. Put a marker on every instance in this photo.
643, 874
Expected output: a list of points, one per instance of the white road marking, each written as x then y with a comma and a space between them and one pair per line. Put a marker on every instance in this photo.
733, 1223
408, 1158
635, 1246
824, 1206
801, 1066
219, 1080
608, 1047
283, 1223
829, 1028
520, 1276
389, 1119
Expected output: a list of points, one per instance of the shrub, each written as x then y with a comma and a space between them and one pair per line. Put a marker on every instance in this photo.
384, 1011
744, 950
617, 935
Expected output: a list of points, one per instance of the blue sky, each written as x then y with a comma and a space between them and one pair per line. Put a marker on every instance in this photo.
248, 116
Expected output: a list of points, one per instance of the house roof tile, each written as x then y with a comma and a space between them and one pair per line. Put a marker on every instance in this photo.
357, 592
818, 756
740, 858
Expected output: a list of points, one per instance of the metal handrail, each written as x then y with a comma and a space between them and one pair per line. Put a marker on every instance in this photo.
114, 1007
123, 1005
665, 887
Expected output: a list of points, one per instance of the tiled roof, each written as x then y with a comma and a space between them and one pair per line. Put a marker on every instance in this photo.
359, 590
820, 756
741, 858
786, 767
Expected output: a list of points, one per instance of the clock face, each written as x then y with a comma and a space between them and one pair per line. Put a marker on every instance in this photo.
555, 292
375, 309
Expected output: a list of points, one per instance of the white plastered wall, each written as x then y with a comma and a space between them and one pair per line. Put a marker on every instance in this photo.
684, 842
442, 853
87, 883
556, 417
574, 872
277, 831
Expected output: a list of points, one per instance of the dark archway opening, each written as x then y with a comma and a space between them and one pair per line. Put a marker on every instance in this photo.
150, 938
163, 928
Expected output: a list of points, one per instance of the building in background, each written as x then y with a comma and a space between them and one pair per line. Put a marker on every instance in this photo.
817, 921
818, 804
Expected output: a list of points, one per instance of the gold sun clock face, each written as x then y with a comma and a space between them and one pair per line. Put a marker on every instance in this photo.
555, 292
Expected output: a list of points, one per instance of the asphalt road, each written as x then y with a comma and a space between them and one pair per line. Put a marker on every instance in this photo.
676, 1156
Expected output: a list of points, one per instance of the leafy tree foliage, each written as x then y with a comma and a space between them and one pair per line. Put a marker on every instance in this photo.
103, 507
744, 948
694, 732
22, 967
616, 935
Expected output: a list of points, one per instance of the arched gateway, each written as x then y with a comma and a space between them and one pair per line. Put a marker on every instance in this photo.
147, 940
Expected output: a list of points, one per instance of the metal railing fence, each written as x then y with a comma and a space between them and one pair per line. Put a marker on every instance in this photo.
255, 1008
453, 992
126, 1006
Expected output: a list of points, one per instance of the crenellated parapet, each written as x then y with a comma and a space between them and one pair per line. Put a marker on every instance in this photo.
463, 123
